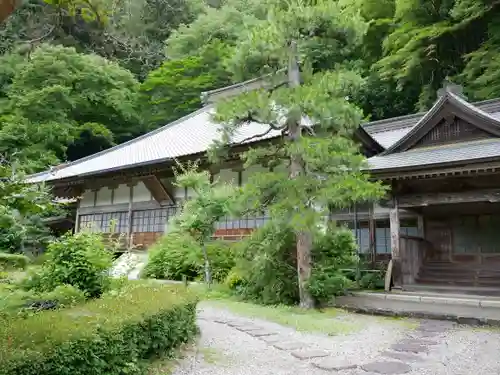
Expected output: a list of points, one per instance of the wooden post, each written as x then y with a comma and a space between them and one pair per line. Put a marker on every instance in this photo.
77, 219
395, 243
371, 229
129, 214
420, 225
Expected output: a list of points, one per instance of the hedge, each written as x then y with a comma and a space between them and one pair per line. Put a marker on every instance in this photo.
13, 261
113, 335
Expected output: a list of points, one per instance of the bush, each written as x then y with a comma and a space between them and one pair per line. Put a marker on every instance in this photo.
266, 263
332, 251
266, 267
80, 260
221, 255
177, 254
13, 261
114, 335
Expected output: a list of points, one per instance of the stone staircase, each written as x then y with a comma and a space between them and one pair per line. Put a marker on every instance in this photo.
482, 279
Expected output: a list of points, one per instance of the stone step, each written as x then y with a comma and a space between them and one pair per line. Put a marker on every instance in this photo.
439, 289
458, 282
463, 308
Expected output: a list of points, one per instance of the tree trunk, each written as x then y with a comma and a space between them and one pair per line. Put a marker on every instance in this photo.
303, 237
208, 269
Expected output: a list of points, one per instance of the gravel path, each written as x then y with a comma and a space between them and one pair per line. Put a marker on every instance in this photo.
232, 344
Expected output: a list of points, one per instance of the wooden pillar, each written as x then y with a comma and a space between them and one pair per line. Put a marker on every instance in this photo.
371, 230
395, 243
421, 225
77, 219
129, 214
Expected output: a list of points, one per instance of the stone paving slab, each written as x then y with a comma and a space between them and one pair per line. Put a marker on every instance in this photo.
418, 341
402, 356
387, 368
249, 328
289, 345
260, 333
334, 364
274, 338
411, 348
309, 353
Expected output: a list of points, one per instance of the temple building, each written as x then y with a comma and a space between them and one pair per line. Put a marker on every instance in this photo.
439, 224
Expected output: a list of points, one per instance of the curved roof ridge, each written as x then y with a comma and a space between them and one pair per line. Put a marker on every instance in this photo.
492, 126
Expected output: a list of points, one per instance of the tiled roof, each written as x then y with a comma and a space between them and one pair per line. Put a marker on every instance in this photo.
387, 132
189, 135
194, 134
431, 156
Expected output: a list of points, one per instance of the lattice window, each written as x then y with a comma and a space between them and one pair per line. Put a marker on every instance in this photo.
246, 222
152, 220
115, 222
451, 131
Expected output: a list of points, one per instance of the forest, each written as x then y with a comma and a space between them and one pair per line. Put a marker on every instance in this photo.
80, 76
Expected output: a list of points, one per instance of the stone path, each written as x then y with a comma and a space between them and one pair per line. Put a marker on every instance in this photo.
232, 344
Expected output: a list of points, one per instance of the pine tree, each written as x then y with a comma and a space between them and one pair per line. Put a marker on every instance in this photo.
314, 165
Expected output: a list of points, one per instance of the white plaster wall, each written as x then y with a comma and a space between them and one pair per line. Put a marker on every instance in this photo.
227, 176
141, 193
122, 194
103, 197
87, 199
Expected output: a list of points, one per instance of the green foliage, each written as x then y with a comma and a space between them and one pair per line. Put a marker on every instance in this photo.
332, 252
174, 89
13, 262
265, 270
22, 209
373, 279
266, 265
221, 255
177, 255
173, 257
15, 301
114, 335
80, 260
67, 104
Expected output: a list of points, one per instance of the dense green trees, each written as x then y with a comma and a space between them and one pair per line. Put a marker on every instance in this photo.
134, 65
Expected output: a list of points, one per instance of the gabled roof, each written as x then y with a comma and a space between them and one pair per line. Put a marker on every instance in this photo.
448, 103
400, 155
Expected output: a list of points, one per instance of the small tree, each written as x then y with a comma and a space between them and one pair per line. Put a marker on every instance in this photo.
213, 201
315, 164
22, 207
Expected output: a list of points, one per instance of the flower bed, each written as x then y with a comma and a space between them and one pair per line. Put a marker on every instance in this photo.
115, 334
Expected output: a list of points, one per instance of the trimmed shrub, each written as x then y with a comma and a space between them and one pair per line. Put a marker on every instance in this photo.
80, 260
13, 261
113, 335
177, 254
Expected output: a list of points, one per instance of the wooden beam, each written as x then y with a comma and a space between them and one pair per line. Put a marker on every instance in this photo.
428, 199
157, 189
395, 243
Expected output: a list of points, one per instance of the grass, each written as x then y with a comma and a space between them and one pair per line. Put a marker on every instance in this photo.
315, 321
